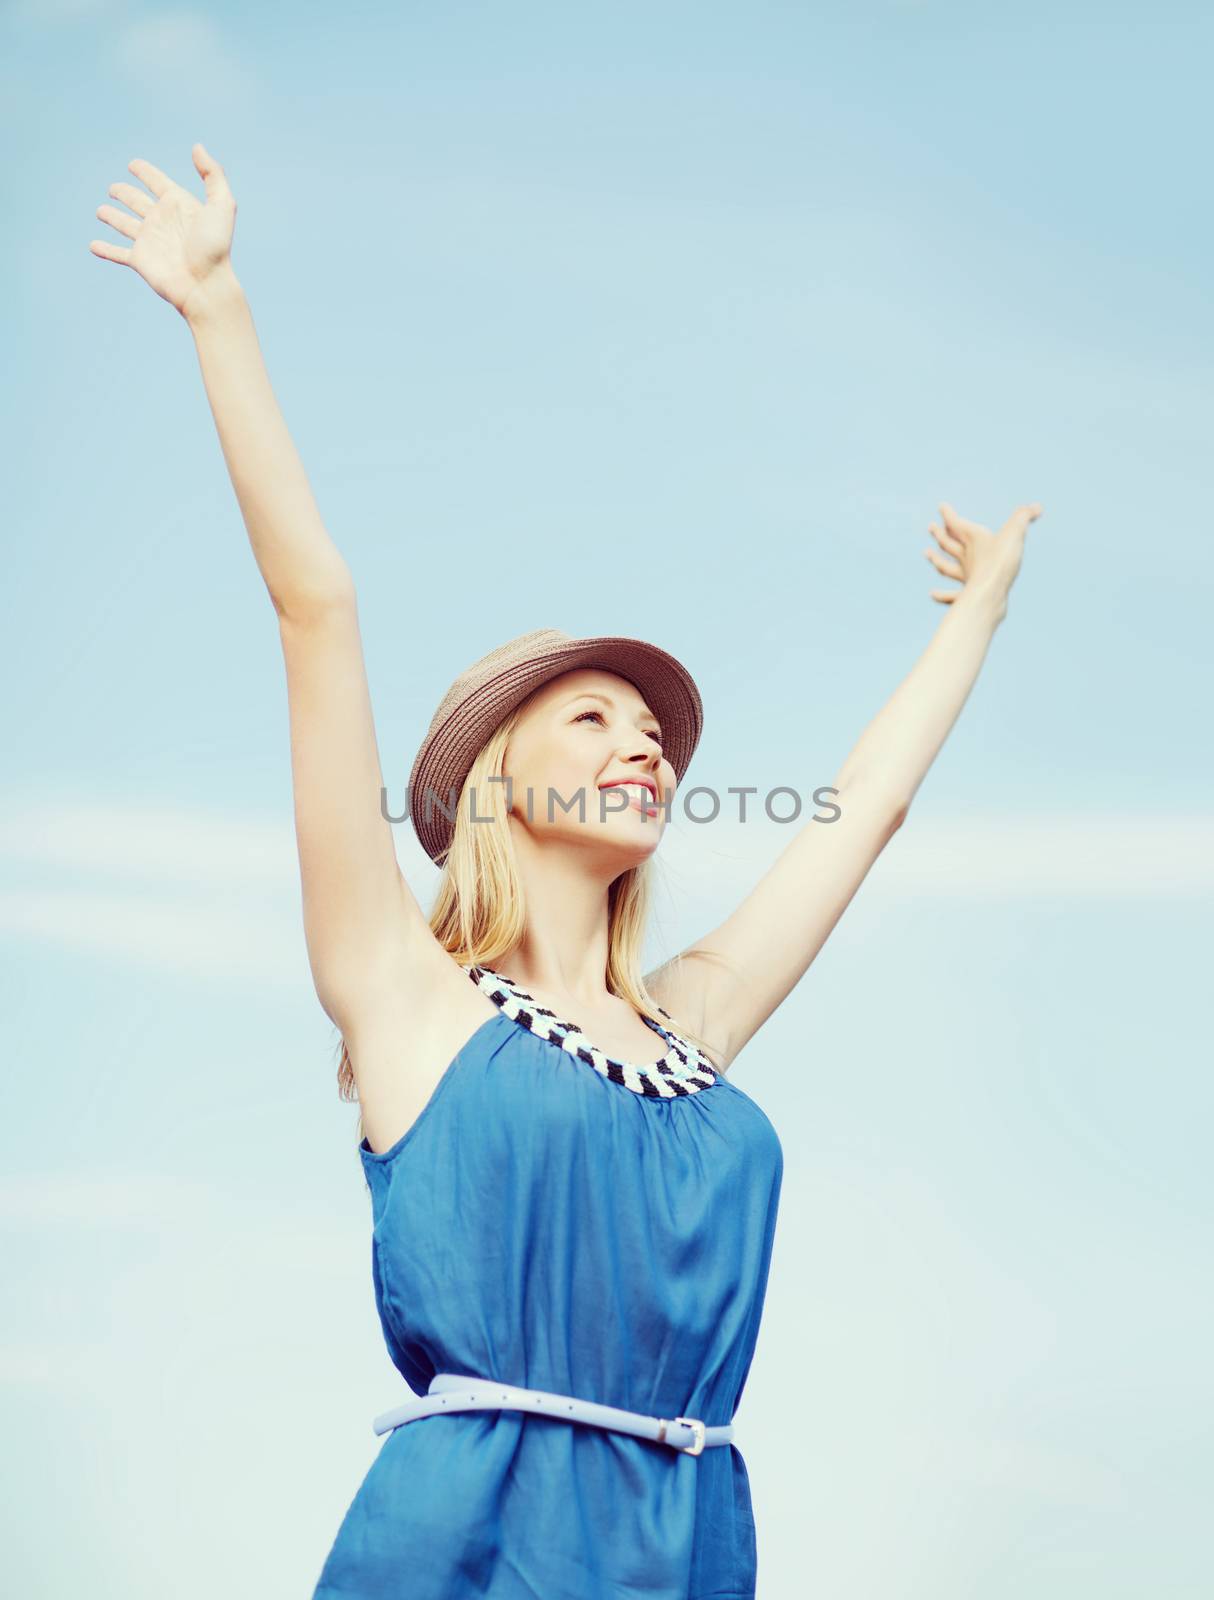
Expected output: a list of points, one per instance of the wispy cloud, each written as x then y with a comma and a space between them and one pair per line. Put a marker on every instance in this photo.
225, 938
153, 49
179, 844
1155, 856
217, 897
118, 1200
51, 1364
181, 47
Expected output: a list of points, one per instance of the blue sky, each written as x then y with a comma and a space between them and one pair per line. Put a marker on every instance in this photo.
699, 311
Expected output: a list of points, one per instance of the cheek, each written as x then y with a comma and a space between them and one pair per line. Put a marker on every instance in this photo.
541, 770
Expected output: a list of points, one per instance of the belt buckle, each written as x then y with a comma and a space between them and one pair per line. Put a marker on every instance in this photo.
699, 1430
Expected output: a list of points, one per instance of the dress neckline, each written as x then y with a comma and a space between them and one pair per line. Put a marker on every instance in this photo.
684, 1069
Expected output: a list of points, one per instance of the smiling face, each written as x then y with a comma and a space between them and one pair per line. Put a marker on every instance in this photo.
580, 734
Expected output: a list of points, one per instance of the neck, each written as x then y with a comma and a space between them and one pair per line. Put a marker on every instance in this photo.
563, 950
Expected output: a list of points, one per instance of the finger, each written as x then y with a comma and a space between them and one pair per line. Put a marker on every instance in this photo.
950, 569
130, 196
945, 596
110, 252
120, 220
947, 543
158, 182
959, 527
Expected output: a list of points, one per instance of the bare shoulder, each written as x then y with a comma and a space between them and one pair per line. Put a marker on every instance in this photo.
402, 1032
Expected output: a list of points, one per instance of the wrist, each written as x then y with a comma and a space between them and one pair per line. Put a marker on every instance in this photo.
989, 601
214, 298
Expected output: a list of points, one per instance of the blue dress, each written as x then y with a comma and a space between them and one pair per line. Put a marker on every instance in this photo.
565, 1221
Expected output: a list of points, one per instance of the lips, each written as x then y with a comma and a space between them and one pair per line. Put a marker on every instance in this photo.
627, 783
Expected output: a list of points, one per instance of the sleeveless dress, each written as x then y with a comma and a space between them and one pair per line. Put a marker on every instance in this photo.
560, 1220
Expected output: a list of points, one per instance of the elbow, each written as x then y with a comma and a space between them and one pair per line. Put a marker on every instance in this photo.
880, 801
305, 605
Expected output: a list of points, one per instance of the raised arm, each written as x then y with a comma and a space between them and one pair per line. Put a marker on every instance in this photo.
729, 982
362, 923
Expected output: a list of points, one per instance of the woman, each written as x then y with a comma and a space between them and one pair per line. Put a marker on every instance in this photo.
573, 1207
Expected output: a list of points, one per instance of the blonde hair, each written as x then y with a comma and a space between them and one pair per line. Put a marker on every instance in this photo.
479, 913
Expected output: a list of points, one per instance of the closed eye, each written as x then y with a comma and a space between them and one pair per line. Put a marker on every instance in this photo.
653, 733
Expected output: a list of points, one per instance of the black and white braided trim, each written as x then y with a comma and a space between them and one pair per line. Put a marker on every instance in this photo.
682, 1070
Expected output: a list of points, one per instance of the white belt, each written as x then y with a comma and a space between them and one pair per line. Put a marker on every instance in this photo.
454, 1391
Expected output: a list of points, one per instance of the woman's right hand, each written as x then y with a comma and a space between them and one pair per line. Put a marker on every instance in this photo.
182, 245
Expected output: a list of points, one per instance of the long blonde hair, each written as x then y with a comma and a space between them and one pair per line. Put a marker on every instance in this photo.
479, 912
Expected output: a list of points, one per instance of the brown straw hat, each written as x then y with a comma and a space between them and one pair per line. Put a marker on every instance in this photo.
492, 687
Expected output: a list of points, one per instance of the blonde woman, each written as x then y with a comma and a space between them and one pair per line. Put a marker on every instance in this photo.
573, 1206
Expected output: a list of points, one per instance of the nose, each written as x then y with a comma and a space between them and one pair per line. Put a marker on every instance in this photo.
643, 753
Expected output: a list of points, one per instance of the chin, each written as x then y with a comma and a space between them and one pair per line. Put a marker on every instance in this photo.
638, 836
626, 841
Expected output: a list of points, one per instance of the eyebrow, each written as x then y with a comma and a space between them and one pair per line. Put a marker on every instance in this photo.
608, 701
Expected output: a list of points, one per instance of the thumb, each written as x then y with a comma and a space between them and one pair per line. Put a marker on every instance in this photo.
1018, 522
211, 172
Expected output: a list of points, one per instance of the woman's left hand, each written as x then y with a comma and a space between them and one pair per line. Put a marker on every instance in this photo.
981, 560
